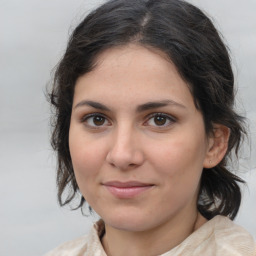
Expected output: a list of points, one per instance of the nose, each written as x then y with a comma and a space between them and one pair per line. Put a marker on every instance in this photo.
125, 151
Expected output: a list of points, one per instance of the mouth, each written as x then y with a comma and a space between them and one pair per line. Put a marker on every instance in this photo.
125, 190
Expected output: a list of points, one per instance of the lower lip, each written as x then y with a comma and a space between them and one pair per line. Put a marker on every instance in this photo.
128, 192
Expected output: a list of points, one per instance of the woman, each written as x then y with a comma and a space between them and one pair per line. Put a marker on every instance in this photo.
144, 126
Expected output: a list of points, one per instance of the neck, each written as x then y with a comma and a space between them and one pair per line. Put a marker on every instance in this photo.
151, 242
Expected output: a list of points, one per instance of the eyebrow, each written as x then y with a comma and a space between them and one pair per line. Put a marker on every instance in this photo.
140, 108
158, 104
93, 104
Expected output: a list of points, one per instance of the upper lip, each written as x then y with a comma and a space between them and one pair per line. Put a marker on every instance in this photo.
126, 184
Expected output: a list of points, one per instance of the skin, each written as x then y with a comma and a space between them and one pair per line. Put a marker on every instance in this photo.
127, 142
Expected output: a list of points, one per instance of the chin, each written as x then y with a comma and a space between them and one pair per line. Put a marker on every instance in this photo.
133, 222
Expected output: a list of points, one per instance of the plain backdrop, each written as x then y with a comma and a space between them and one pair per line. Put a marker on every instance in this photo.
32, 39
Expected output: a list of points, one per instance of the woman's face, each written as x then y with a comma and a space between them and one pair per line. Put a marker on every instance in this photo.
137, 141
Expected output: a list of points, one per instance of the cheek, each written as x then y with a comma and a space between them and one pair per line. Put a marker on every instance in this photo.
86, 158
86, 165
180, 160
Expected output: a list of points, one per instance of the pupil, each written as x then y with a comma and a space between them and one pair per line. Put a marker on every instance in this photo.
160, 120
98, 120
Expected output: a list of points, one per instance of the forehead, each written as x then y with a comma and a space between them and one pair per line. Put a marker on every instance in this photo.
133, 72
132, 56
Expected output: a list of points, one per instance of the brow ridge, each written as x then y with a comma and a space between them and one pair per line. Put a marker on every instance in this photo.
158, 104
141, 108
93, 104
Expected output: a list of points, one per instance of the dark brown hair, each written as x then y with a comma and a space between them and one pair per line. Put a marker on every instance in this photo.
192, 43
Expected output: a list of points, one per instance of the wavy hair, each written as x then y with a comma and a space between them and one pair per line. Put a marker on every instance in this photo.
190, 40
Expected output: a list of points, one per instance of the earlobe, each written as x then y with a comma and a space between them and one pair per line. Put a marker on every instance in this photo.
217, 146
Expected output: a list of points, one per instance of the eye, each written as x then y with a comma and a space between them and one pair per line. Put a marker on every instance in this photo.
160, 120
95, 120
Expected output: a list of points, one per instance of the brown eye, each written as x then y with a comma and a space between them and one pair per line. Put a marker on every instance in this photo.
99, 120
160, 120
95, 121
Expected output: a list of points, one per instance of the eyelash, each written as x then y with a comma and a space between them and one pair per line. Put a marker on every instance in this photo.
85, 119
167, 117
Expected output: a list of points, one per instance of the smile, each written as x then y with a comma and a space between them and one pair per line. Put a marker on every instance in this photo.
126, 190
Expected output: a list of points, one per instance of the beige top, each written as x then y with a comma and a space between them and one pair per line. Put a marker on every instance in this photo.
217, 237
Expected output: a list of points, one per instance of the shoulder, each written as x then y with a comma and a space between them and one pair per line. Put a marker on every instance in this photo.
224, 227
218, 237
229, 238
86, 245
70, 248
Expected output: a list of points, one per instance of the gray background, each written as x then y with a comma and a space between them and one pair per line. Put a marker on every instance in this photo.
33, 37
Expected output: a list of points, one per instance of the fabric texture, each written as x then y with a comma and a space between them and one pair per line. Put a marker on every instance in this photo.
217, 237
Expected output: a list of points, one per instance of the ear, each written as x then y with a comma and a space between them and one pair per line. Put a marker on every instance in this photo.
217, 145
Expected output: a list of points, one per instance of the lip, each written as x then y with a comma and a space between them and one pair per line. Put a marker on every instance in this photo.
128, 189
